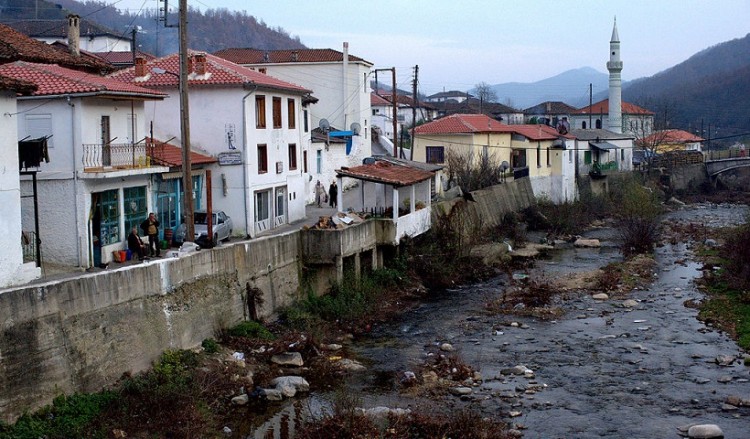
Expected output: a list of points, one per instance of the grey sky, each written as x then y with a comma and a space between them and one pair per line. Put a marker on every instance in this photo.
458, 44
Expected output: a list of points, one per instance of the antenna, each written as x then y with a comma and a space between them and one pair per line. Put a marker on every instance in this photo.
356, 128
324, 124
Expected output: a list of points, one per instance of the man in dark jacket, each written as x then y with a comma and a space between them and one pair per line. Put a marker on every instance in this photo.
151, 228
136, 245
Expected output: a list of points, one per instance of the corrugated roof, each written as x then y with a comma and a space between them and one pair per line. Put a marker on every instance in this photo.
602, 107
386, 173
219, 72
15, 46
258, 56
52, 79
166, 154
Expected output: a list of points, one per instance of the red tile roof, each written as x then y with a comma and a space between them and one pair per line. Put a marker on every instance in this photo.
386, 173
52, 79
602, 107
538, 132
379, 101
673, 136
123, 57
15, 46
219, 72
23, 87
58, 28
257, 56
463, 124
166, 154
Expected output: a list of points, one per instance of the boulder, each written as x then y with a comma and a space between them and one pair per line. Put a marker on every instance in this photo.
288, 359
587, 243
705, 431
240, 400
600, 296
298, 383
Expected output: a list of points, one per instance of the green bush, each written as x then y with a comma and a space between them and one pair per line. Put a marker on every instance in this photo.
638, 217
251, 329
210, 346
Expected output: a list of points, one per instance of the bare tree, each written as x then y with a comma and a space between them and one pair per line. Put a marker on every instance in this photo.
485, 93
473, 171
651, 130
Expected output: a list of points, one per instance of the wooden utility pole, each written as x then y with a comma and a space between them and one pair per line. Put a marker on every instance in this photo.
395, 114
414, 110
187, 172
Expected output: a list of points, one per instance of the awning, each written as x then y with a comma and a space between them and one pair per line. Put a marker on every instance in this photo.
604, 146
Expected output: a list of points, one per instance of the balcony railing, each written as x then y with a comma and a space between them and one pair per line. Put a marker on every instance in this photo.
115, 156
598, 168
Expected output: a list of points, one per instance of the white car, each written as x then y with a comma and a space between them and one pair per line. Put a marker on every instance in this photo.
221, 224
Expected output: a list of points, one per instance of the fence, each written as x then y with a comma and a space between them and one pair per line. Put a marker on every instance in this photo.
115, 155
28, 244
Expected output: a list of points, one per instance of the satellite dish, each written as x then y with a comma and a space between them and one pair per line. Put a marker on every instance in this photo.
356, 128
504, 166
324, 125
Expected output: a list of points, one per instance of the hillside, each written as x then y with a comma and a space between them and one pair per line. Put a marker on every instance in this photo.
210, 31
712, 86
571, 87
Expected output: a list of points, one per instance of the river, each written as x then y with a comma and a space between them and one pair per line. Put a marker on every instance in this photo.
599, 370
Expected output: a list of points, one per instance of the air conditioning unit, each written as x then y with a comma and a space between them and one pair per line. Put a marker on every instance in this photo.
279, 167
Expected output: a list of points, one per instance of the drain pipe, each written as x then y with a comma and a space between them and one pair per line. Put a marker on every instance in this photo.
76, 196
245, 175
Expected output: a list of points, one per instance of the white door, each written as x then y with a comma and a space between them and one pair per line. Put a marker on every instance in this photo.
262, 211
280, 213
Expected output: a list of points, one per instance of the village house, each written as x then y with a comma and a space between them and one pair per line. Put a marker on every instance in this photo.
602, 152
255, 125
341, 85
453, 96
538, 152
548, 113
672, 140
635, 120
472, 105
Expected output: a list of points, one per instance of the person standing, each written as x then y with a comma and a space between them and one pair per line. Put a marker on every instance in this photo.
136, 245
333, 194
151, 228
320, 193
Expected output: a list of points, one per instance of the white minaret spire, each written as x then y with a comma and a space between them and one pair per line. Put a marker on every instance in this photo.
614, 65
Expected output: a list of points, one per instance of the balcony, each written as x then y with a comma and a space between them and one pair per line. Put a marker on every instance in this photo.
114, 157
600, 170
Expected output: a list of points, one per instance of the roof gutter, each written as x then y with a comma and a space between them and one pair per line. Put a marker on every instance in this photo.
98, 94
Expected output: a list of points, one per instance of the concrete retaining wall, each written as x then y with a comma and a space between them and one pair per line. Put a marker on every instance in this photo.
82, 334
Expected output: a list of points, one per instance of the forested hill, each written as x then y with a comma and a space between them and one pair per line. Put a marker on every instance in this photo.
712, 86
209, 31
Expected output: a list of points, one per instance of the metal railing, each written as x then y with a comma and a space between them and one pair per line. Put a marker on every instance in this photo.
114, 156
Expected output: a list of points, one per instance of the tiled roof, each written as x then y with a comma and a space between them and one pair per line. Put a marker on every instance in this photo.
15, 46
258, 56
19, 86
602, 107
386, 173
449, 94
598, 133
473, 105
123, 57
463, 124
166, 154
538, 132
673, 136
405, 101
376, 100
52, 79
551, 107
219, 72
58, 28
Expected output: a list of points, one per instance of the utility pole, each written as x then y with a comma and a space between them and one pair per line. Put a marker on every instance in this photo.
395, 114
187, 172
591, 104
414, 110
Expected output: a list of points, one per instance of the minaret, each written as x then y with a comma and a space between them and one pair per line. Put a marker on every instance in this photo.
614, 65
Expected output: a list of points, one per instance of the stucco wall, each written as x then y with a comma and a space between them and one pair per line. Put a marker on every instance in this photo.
84, 333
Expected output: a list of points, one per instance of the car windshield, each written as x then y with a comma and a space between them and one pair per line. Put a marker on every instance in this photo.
202, 218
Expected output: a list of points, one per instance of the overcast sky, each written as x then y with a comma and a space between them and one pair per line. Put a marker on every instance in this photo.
458, 44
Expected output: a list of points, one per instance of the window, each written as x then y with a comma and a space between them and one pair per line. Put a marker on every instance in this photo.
260, 112
583, 125
135, 207
262, 159
570, 156
435, 154
587, 157
548, 162
319, 161
105, 135
110, 223
262, 200
39, 125
622, 155
598, 124
292, 156
277, 112
132, 129
290, 116
538, 155
304, 114
304, 161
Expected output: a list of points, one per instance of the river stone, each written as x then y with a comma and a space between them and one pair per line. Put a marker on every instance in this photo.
332, 347
734, 400
630, 303
725, 379
350, 365
288, 359
600, 296
298, 383
430, 377
459, 391
587, 243
725, 360
240, 400
446, 347
705, 431
271, 394
729, 407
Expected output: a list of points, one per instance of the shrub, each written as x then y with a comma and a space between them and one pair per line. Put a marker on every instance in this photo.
210, 346
251, 329
638, 217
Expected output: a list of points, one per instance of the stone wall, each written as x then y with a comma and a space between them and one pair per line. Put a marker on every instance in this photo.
82, 334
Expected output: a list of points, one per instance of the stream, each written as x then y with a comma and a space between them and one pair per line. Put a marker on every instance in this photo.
600, 370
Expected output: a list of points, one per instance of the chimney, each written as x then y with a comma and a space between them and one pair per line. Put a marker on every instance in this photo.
549, 107
295, 55
74, 34
200, 64
140, 67
190, 63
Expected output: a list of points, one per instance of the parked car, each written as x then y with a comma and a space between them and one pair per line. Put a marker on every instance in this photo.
221, 224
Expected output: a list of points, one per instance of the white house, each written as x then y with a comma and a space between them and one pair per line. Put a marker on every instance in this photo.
255, 125
600, 152
341, 83
93, 37
14, 269
96, 185
454, 96
635, 120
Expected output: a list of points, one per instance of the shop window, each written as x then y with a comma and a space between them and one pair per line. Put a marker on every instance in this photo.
110, 214
135, 207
